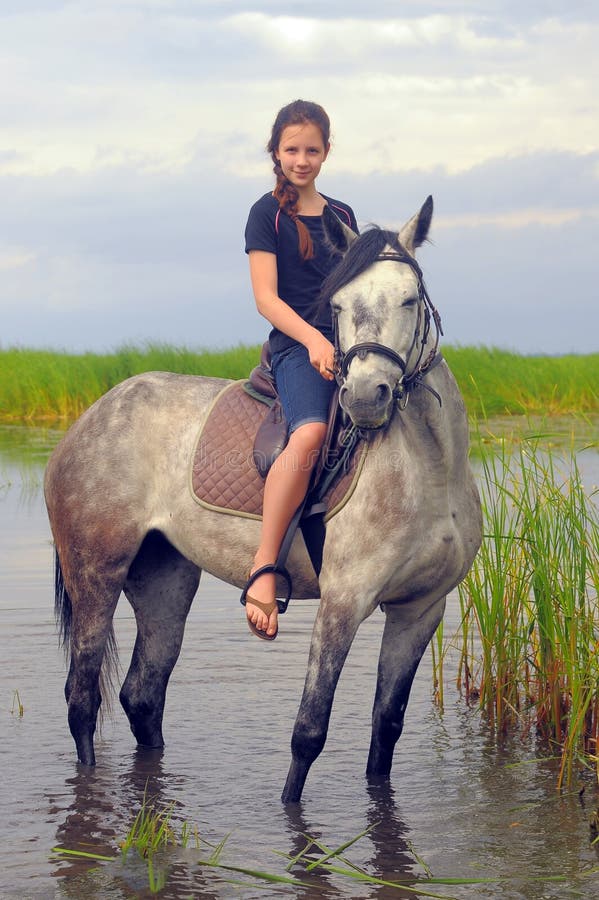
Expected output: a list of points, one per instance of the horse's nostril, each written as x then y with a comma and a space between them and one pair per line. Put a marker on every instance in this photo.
383, 393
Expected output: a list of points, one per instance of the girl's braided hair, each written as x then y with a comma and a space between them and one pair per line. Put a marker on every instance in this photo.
300, 112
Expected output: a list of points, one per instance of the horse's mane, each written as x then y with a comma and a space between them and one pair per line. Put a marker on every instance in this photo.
360, 255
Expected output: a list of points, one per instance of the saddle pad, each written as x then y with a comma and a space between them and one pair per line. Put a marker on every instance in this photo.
223, 474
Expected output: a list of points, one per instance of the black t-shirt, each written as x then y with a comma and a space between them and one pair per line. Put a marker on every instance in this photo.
299, 280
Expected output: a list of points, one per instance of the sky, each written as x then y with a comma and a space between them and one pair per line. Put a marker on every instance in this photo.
132, 145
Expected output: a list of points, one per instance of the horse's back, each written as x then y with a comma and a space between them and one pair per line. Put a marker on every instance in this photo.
109, 458
139, 407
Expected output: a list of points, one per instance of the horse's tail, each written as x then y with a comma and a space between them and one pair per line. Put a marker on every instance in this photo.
63, 608
63, 613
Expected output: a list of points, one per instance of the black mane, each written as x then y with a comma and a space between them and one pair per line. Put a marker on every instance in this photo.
360, 255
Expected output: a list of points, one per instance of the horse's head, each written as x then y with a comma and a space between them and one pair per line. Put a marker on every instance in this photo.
382, 317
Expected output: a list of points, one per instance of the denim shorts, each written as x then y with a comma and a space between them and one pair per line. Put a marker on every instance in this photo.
305, 395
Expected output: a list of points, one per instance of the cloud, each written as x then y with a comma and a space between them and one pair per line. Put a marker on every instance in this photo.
542, 188
350, 40
88, 86
15, 258
132, 145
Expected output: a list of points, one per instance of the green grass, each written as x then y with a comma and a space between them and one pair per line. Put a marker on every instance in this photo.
38, 385
497, 383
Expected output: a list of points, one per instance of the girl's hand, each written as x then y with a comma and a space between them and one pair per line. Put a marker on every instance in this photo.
322, 355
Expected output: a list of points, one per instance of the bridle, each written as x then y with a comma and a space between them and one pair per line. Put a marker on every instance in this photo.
408, 379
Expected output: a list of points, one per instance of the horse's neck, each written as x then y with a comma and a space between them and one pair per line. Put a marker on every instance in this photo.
428, 431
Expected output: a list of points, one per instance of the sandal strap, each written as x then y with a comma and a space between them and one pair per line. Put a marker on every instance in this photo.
263, 570
267, 608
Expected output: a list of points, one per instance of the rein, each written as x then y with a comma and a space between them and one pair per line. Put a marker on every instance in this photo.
407, 380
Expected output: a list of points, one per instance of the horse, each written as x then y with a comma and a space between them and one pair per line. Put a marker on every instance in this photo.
123, 518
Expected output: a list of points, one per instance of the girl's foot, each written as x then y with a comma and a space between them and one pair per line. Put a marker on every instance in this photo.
263, 590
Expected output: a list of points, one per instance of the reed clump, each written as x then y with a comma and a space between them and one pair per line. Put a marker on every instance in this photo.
530, 618
37, 385
44, 384
151, 837
496, 382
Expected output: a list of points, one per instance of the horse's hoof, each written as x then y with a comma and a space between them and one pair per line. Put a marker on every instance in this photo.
87, 760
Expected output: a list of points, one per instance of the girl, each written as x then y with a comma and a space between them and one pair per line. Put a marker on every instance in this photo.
289, 260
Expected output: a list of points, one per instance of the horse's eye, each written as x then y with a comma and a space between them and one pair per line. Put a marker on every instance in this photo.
410, 301
336, 307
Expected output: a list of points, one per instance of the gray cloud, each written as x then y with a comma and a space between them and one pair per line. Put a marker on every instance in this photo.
550, 181
130, 256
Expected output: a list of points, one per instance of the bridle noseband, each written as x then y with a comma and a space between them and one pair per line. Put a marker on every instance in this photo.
407, 380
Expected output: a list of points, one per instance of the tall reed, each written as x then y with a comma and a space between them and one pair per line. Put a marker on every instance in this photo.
496, 382
42, 384
530, 619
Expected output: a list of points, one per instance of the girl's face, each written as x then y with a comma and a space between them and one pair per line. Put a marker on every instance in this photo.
301, 152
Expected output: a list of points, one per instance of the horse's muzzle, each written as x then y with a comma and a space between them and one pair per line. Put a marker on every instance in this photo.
368, 406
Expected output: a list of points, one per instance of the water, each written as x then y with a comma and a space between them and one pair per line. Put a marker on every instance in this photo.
461, 803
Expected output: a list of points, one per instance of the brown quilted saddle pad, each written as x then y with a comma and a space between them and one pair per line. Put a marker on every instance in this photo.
223, 473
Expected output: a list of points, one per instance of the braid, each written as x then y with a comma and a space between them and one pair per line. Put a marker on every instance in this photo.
296, 113
288, 196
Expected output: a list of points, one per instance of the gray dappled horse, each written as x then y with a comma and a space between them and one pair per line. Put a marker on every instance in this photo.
123, 518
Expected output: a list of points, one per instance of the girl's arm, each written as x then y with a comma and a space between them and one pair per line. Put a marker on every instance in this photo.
263, 273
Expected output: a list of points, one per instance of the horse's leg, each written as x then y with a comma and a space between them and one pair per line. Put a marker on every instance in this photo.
160, 587
334, 631
407, 632
92, 603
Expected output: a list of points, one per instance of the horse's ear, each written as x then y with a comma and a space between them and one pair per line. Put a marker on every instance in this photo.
415, 232
338, 234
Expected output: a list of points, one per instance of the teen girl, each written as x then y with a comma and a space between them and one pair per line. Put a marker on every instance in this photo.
289, 261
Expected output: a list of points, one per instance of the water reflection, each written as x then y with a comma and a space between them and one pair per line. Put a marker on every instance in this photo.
99, 805
94, 820
391, 858
24, 451
389, 833
566, 433
90, 814
102, 805
26, 446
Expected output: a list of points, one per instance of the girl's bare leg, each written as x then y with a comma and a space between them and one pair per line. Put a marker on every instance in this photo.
285, 488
